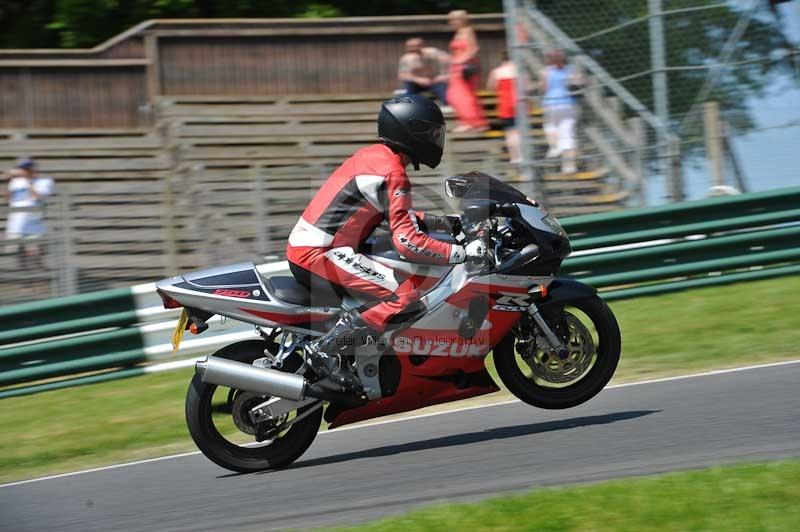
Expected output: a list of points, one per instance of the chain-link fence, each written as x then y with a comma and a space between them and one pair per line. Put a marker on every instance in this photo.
713, 101
715, 84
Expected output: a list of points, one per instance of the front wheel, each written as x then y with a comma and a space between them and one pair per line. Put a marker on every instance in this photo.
219, 424
539, 377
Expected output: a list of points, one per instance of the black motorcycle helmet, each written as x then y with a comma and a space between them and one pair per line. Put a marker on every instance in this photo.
413, 125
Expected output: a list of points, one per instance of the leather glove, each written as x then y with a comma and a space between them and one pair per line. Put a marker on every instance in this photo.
476, 251
450, 223
454, 223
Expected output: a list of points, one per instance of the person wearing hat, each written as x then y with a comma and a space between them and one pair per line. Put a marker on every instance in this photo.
26, 193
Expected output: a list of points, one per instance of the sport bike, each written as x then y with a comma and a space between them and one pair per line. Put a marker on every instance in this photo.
257, 404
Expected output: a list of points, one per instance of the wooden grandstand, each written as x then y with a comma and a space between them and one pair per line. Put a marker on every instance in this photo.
220, 179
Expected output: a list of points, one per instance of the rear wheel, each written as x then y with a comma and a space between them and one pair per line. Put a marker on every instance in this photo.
221, 428
537, 375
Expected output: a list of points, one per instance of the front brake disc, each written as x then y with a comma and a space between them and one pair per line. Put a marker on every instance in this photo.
549, 367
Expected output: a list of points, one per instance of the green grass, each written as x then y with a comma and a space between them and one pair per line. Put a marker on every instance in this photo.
756, 497
142, 417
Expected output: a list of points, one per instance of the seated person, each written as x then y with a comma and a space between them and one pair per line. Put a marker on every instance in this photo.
424, 68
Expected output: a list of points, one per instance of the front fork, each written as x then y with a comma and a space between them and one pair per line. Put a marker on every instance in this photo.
553, 341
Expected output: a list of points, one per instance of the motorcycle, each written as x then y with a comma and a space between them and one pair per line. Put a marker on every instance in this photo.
257, 404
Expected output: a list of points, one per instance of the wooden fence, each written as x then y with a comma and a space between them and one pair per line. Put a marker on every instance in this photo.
113, 84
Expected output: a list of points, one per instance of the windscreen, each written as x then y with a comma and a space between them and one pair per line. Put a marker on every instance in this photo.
482, 186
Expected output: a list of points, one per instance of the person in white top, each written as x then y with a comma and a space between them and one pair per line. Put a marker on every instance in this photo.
26, 193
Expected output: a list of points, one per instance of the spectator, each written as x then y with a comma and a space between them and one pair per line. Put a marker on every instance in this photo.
424, 68
464, 75
502, 80
558, 80
26, 193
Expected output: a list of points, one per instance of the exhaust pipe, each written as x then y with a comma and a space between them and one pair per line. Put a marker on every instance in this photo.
265, 381
215, 370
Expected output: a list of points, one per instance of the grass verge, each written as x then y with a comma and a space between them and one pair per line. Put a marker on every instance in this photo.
753, 497
680, 333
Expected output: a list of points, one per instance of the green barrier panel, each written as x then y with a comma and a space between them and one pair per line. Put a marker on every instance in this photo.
595, 225
70, 348
52, 311
116, 319
717, 280
736, 245
72, 366
69, 383
613, 295
692, 268
116, 308
681, 230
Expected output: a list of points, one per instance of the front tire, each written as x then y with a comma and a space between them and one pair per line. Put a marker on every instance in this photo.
201, 413
541, 394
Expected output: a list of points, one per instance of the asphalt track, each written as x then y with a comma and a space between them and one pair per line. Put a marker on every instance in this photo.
361, 474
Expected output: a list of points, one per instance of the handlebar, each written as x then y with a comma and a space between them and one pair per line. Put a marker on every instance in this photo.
482, 210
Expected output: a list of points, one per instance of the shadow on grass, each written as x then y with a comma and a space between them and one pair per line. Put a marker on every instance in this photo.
499, 433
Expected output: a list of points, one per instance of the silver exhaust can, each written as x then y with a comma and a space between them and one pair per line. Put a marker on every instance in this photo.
215, 370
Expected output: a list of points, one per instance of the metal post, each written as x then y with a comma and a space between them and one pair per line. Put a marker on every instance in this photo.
733, 159
69, 284
637, 158
260, 198
523, 102
673, 167
660, 88
714, 143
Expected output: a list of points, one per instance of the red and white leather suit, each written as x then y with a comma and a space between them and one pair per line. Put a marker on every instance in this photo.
369, 187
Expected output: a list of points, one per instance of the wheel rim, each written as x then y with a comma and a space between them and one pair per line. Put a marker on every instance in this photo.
229, 422
542, 364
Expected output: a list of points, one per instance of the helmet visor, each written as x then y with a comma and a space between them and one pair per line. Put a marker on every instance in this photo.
428, 131
437, 133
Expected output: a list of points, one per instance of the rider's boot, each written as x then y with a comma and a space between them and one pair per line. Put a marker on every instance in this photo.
326, 353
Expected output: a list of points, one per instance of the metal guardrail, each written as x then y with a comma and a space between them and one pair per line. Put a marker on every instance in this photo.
626, 254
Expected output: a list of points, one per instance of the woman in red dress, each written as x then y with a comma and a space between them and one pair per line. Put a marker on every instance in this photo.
464, 76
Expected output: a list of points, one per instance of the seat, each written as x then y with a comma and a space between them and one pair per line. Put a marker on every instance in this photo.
287, 289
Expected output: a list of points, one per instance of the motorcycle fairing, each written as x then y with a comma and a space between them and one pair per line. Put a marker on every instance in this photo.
436, 364
239, 292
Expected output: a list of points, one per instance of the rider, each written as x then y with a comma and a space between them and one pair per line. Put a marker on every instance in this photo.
368, 188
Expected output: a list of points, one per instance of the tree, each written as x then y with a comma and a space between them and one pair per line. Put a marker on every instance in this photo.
86, 23
23, 24
693, 39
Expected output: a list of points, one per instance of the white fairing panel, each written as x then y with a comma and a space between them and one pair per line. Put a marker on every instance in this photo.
251, 303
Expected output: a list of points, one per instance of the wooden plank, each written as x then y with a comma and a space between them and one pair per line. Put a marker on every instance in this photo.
73, 63
103, 164
84, 144
77, 132
228, 109
288, 131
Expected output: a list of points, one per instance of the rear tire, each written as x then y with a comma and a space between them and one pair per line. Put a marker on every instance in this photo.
587, 386
283, 450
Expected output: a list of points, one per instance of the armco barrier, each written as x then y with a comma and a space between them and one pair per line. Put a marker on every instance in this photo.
626, 254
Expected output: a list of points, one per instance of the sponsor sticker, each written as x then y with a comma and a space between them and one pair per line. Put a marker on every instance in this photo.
403, 239
231, 293
442, 347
